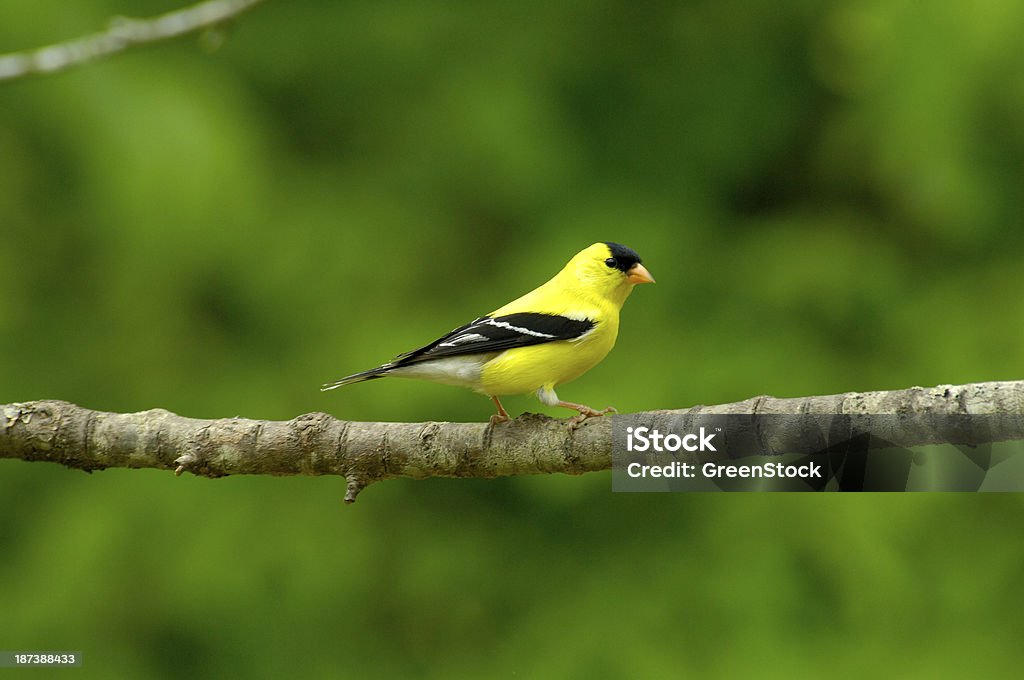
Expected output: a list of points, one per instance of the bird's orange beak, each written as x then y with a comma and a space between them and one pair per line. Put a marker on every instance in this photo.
639, 274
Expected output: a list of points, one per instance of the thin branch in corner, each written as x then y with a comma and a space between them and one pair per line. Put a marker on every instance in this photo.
122, 34
320, 444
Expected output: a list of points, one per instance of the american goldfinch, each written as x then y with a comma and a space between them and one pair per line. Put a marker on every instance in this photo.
549, 336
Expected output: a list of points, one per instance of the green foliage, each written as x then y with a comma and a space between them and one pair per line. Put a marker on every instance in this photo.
829, 195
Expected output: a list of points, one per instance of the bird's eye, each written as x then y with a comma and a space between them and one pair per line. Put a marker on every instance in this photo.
611, 262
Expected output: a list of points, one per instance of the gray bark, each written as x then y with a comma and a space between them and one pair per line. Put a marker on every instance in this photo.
364, 453
120, 35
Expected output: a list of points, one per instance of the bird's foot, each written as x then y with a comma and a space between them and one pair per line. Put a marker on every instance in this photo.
502, 415
584, 413
499, 418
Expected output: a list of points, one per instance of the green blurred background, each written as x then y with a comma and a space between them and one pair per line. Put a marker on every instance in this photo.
829, 194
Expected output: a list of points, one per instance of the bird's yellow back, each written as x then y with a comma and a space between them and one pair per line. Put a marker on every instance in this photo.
585, 283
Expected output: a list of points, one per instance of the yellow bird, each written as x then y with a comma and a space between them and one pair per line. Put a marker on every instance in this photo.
551, 335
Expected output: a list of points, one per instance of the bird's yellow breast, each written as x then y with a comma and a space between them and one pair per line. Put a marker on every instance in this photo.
525, 369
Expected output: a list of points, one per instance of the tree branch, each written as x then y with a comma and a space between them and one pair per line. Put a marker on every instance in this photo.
364, 453
122, 34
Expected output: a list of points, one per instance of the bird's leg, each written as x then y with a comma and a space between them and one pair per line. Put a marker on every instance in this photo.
585, 412
502, 415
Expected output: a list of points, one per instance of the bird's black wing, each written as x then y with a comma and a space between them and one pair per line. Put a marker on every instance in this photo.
487, 334
482, 336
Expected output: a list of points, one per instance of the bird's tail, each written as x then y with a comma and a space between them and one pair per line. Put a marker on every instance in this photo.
378, 372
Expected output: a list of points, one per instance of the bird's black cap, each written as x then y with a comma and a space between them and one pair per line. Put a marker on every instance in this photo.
624, 257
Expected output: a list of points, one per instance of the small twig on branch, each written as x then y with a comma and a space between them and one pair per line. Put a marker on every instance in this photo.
364, 453
122, 34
